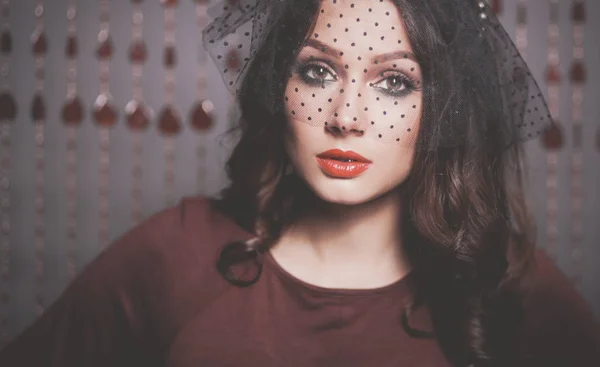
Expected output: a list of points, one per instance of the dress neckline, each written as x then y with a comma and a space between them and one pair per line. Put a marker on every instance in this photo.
399, 286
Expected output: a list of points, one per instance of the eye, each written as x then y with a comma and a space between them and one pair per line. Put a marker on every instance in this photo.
316, 74
394, 83
397, 85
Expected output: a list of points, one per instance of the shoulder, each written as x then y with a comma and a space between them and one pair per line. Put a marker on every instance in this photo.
159, 273
158, 264
133, 296
550, 291
178, 243
560, 328
190, 231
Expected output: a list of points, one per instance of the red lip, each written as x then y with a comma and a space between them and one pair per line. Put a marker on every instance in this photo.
340, 154
340, 164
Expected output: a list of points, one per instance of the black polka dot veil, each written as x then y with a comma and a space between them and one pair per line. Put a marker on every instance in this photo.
429, 73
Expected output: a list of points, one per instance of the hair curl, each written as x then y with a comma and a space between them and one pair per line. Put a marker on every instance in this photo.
467, 231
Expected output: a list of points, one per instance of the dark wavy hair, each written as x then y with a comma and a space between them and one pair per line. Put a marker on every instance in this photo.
467, 231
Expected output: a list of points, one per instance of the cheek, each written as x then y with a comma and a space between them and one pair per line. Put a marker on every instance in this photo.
298, 140
302, 139
396, 160
383, 118
392, 121
308, 104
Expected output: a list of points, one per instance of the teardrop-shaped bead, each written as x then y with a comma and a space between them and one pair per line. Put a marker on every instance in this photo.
8, 107
578, 12
233, 60
40, 44
552, 139
497, 6
6, 42
72, 47
578, 74
38, 108
521, 14
137, 116
201, 117
169, 123
105, 50
553, 74
170, 57
554, 12
104, 113
72, 112
138, 52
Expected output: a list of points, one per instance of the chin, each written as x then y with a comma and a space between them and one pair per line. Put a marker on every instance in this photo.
350, 199
345, 191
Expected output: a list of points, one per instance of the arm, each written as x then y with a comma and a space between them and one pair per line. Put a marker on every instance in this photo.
561, 329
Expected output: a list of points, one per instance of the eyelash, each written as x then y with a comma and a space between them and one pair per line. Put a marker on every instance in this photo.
410, 85
311, 66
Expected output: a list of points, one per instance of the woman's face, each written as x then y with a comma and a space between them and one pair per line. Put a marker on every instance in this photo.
356, 87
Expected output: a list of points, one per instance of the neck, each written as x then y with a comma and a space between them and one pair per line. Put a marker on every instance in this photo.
355, 243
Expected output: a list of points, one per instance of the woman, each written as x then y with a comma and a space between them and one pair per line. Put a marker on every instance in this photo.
375, 215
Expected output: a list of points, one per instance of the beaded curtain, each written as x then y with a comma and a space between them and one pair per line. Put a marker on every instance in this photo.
110, 111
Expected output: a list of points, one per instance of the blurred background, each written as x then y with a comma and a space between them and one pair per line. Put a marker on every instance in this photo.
110, 111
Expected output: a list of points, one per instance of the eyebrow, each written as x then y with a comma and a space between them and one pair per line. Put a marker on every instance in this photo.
333, 52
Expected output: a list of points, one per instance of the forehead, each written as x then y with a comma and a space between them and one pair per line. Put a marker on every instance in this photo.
372, 23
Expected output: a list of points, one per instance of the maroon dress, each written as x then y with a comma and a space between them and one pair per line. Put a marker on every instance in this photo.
154, 298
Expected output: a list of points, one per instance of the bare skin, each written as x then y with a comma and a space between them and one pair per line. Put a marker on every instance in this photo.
350, 236
346, 247
357, 72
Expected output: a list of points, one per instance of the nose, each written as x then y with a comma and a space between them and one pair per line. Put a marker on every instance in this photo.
348, 117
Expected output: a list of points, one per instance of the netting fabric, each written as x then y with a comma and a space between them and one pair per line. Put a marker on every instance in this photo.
445, 71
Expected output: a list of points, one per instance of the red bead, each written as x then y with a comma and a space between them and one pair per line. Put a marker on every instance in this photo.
170, 57
38, 108
554, 12
6, 42
497, 6
169, 3
552, 139
138, 52
40, 44
72, 112
553, 74
104, 113
200, 119
8, 107
578, 74
105, 50
137, 116
578, 11
521, 14
169, 123
233, 60
72, 47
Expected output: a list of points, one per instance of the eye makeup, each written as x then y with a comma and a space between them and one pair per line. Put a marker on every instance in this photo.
316, 72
